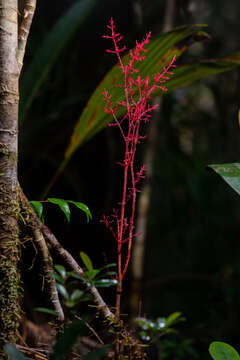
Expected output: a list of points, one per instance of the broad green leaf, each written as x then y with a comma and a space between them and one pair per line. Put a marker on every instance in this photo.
63, 206
160, 52
222, 351
13, 353
93, 118
230, 173
62, 290
187, 74
50, 49
83, 207
62, 271
67, 340
46, 311
87, 261
38, 208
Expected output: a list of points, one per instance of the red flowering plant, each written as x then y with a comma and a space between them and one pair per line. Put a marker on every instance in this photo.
136, 94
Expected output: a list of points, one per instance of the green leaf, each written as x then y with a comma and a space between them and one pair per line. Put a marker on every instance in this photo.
222, 351
105, 282
92, 274
187, 74
63, 206
76, 294
38, 208
79, 277
13, 353
62, 290
57, 277
83, 207
62, 271
50, 49
46, 311
87, 261
67, 340
107, 266
230, 173
173, 318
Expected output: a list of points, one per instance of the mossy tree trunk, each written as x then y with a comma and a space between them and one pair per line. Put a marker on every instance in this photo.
9, 242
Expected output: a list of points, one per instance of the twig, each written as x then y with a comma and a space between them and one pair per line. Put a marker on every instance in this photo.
48, 270
92, 330
24, 28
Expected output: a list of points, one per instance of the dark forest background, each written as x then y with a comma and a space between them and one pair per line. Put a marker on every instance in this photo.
192, 251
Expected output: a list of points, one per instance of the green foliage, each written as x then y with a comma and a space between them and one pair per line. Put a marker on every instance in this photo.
94, 278
87, 261
151, 330
67, 283
222, 351
50, 49
230, 173
46, 311
38, 207
63, 205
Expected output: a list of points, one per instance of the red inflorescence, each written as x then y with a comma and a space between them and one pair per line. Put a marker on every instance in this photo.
137, 92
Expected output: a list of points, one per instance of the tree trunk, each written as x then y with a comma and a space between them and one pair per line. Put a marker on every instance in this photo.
9, 242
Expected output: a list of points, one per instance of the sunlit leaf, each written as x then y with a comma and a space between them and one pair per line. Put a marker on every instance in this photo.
230, 173
83, 207
222, 351
46, 311
87, 261
38, 207
63, 206
49, 50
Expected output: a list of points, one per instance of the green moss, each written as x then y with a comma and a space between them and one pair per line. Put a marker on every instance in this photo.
10, 290
10, 311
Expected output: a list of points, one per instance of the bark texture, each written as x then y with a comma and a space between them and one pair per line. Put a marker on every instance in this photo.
9, 244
